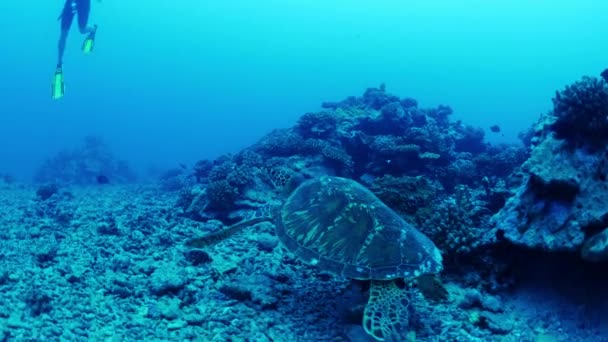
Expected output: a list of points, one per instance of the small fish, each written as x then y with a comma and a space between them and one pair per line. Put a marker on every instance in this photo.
101, 179
495, 128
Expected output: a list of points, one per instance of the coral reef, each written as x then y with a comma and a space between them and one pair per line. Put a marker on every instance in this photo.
410, 196
418, 157
580, 113
520, 227
321, 125
439, 175
83, 165
562, 201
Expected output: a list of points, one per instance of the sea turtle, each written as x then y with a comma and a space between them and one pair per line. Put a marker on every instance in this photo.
341, 227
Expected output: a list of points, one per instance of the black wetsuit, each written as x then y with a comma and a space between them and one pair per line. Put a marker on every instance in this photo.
72, 7
82, 8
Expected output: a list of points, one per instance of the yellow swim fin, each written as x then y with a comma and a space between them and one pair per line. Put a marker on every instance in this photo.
58, 87
89, 42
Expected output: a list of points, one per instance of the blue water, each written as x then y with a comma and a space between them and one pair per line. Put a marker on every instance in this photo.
176, 81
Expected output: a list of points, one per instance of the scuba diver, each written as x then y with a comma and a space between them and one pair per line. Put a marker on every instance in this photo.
72, 8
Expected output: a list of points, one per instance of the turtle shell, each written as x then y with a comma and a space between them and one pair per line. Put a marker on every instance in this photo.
342, 227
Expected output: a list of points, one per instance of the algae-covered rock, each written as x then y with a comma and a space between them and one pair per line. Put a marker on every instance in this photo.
563, 198
596, 247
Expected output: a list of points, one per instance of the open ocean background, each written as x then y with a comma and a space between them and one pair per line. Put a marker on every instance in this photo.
172, 82
305, 171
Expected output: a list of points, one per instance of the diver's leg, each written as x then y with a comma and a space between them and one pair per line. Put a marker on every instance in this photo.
88, 29
67, 16
84, 8
62, 39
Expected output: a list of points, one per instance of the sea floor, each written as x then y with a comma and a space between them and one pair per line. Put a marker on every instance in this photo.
108, 263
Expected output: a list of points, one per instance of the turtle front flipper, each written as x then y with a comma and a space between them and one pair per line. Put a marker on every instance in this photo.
386, 315
223, 234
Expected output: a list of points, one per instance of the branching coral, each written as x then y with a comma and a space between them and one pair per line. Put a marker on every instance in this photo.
317, 125
581, 112
441, 115
406, 195
376, 98
221, 195
393, 119
469, 139
337, 157
500, 160
348, 103
227, 181
452, 228
202, 169
249, 158
238, 176
388, 146
280, 142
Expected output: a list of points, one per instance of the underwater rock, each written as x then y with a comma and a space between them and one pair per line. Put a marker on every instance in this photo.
267, 242
39, 301
497, 324
256, 288
197, 257
108, 228
167, 278
596, 247
604, 75
45, 192
563, 200
6, 178
102, 179
473, 298
82, 165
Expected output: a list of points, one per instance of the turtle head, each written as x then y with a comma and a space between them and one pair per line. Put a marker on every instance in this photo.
435, 260
433, 263
292, 184
424, 257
